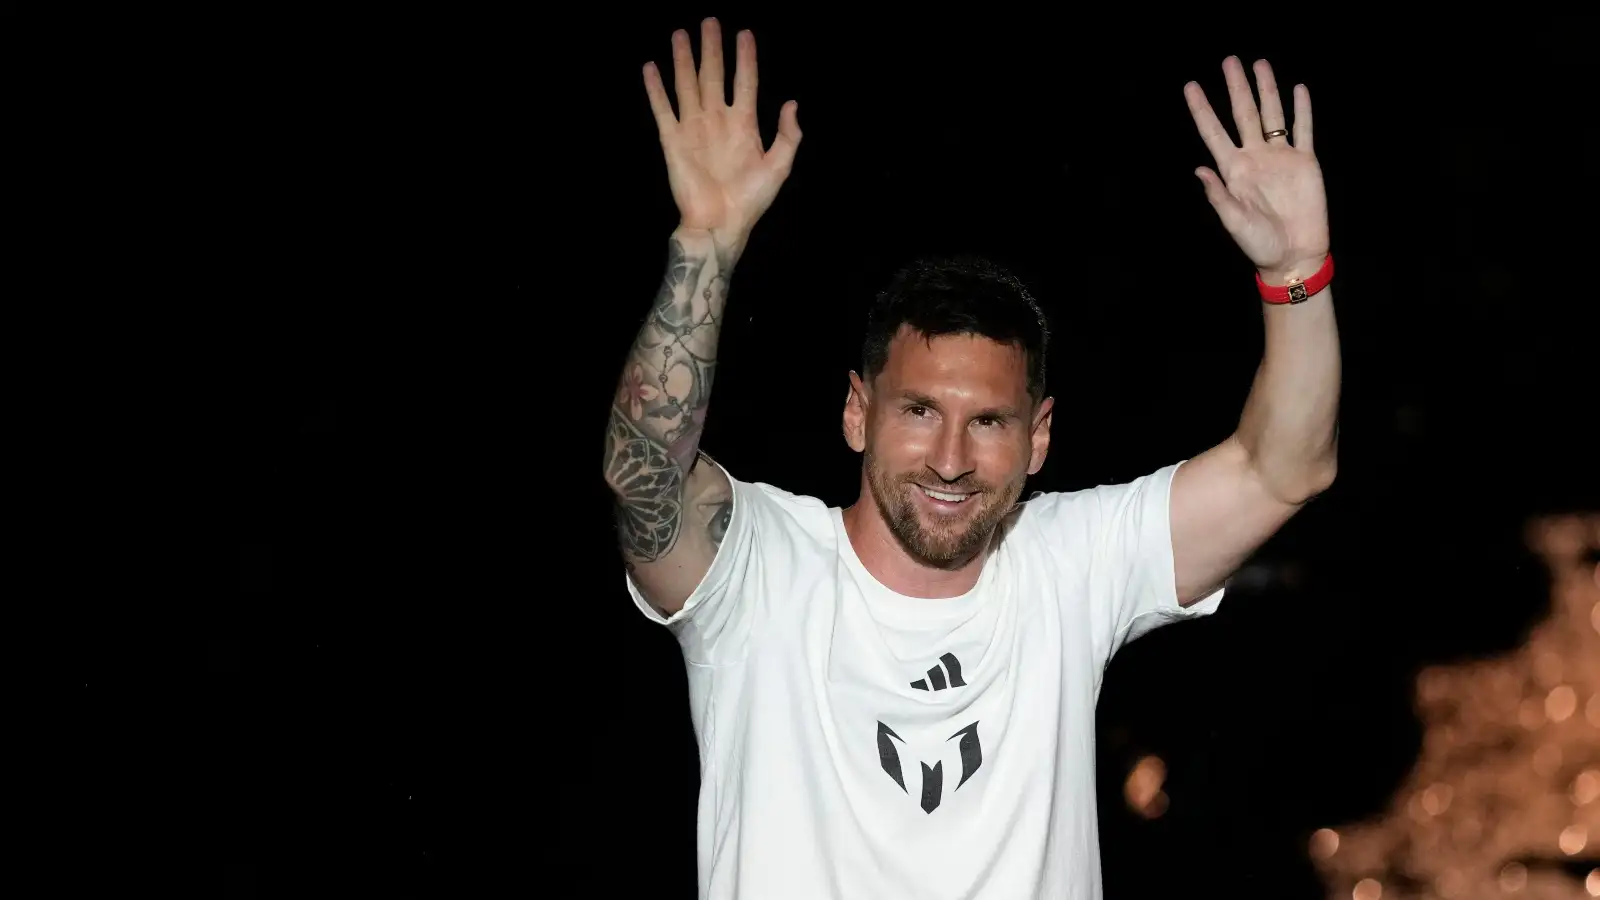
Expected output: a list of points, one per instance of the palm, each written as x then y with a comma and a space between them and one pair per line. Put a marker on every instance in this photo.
722, 178
1269, 194
718, 170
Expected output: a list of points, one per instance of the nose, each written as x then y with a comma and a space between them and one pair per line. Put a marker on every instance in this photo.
951, 454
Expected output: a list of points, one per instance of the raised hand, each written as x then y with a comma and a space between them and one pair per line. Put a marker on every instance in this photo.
1269, 194
721, 177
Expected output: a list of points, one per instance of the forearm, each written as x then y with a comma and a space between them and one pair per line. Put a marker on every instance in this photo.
1289, 426
665, 388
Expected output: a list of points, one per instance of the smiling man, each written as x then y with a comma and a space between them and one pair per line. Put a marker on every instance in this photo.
896, 699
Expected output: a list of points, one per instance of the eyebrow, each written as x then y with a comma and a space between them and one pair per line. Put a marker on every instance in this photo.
994, 412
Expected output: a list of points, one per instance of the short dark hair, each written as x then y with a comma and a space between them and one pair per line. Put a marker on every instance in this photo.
958, 295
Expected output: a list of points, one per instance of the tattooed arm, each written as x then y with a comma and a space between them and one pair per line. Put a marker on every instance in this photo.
672, 507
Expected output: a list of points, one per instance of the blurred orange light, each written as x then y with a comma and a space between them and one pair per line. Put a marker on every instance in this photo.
1436, 799
1143, 787
1513, 877
1561, 704
1507, 766
1324, 843
1586, 787
1156, 806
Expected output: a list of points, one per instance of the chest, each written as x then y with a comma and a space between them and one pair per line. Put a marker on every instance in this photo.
925, 715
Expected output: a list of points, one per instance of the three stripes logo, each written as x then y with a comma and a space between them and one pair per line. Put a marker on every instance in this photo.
936, 675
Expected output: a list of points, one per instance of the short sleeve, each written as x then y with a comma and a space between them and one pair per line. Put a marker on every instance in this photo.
1123, 534
715, 622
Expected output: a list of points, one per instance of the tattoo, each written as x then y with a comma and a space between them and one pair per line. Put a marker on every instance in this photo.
721, 517
679, 342
659, 412
649, 488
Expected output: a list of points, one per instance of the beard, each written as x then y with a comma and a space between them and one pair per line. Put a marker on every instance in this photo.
943, 543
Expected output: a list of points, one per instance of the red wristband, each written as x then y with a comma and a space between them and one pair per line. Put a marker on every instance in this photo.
1297, 291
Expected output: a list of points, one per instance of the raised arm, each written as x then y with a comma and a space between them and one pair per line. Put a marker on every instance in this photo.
672, 507
1227, 501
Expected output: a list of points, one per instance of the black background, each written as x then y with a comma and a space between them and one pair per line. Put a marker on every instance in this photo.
435, 236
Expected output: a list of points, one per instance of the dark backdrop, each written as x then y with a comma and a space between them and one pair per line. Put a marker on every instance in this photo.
434, 238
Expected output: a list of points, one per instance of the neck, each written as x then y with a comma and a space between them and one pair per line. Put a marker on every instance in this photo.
896, 569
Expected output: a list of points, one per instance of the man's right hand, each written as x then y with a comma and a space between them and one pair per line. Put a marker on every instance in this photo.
721, 177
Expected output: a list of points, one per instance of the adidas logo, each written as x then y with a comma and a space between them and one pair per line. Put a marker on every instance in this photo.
936, 675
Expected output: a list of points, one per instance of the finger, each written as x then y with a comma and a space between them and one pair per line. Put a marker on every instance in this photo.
1244, 104
1271, 104
1205, 120
780, 156
684, 84
659, 104
1228, 209
713, 95
744, 75
1302, 118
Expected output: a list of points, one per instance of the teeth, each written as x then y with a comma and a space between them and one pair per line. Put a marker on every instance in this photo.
948, 498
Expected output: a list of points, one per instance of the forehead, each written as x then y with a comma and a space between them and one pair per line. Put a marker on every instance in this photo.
957, 368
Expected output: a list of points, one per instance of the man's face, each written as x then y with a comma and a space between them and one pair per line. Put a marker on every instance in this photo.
949, 437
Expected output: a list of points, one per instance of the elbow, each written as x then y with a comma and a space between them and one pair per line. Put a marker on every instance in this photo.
1297, 485
1322, 478
1314, 480
1326, 468
1294, 479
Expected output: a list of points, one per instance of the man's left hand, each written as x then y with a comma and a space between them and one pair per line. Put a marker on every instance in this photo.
1269, 194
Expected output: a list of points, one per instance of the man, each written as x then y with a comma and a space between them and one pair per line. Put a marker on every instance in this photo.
897, 699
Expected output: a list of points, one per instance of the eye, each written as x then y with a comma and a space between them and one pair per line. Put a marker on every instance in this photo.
989, 421
917, 411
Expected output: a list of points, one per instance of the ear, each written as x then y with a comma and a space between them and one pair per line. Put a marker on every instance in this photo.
855, 414
1041, 435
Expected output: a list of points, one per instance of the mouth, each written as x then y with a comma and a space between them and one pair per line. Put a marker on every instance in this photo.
945, 501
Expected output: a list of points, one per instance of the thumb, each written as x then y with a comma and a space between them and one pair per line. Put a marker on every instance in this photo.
1228, 209
781, 154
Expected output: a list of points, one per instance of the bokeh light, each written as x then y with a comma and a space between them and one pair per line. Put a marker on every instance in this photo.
1586, 787
1561, 704
1505, 794
1143, 787
1513, 877
1324, 843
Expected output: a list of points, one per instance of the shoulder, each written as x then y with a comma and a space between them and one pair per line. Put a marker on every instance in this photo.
777, 512
1084, 512
1050, 509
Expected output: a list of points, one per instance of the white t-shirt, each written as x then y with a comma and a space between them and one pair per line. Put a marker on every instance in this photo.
857, 743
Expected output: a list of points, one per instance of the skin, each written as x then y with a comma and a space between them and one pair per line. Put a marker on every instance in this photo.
952, 413
1269, 195
672, 507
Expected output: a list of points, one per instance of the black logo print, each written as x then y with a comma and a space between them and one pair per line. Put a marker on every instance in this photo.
936, 675
971, 751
